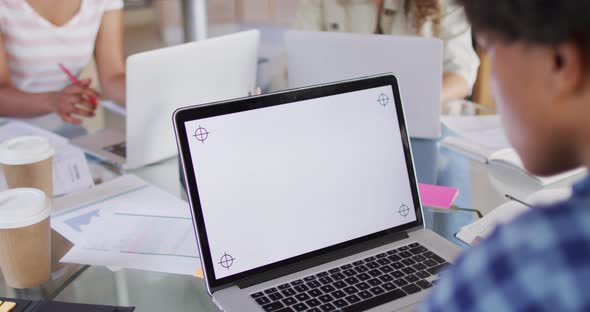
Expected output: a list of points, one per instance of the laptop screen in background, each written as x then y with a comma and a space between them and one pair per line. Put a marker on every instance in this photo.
286, 180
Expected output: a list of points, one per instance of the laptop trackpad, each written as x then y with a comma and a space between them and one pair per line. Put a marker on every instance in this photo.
107, 144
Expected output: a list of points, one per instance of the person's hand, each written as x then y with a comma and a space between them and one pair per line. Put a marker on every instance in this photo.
74, 100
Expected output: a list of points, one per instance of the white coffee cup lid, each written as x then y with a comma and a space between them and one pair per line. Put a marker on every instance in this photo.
25, 150
23, 207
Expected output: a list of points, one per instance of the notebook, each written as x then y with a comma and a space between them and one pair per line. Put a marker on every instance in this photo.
483, 138
507, 212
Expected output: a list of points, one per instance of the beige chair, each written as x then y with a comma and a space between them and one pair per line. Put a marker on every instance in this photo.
482, 93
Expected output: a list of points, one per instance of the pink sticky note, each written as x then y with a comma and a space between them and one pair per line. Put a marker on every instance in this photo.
437, 196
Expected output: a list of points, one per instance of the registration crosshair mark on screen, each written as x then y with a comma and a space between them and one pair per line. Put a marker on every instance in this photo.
201, 134
226, 261
404, 210
383, 99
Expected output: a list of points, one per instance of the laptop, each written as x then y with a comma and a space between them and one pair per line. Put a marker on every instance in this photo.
160, 81
320, 57
307, 200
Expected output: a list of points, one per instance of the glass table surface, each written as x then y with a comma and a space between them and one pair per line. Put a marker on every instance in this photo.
482, 187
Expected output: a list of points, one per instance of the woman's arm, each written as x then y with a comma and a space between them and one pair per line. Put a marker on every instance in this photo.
109, 55
460, 62
454, 87
16, 103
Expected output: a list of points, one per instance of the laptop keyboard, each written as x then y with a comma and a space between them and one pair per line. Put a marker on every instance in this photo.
357, 286
119, 149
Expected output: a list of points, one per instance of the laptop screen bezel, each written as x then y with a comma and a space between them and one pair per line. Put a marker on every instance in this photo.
184, 115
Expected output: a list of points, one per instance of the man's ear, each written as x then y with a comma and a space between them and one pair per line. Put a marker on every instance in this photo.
568, 67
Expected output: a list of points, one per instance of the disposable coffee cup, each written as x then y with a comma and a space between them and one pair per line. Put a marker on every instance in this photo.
25, 258
27, 162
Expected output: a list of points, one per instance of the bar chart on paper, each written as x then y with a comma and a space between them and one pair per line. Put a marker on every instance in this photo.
137, 227
143, 234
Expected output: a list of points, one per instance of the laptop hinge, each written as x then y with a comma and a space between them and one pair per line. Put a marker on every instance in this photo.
316, 261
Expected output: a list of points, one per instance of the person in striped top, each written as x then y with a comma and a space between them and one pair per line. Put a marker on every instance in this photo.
38, 35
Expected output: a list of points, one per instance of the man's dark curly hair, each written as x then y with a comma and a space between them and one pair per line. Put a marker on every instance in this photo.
546, 22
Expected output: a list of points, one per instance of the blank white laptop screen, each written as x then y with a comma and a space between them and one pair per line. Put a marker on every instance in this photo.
282, 181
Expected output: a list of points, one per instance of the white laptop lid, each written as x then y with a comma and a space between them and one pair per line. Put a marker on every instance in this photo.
161, 81
320, 57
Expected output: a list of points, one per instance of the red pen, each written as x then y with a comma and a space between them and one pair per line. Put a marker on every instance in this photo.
75, 81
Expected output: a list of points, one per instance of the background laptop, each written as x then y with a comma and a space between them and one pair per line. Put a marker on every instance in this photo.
320, 57
306, 200
160, 81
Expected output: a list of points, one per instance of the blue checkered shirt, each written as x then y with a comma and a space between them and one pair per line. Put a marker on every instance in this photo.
540, 262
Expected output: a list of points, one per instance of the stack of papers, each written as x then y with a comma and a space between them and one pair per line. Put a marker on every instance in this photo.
70, 168
128, 223
483, 138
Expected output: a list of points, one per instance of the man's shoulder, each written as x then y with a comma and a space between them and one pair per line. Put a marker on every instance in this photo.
542, 252
542, 230
560, 221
